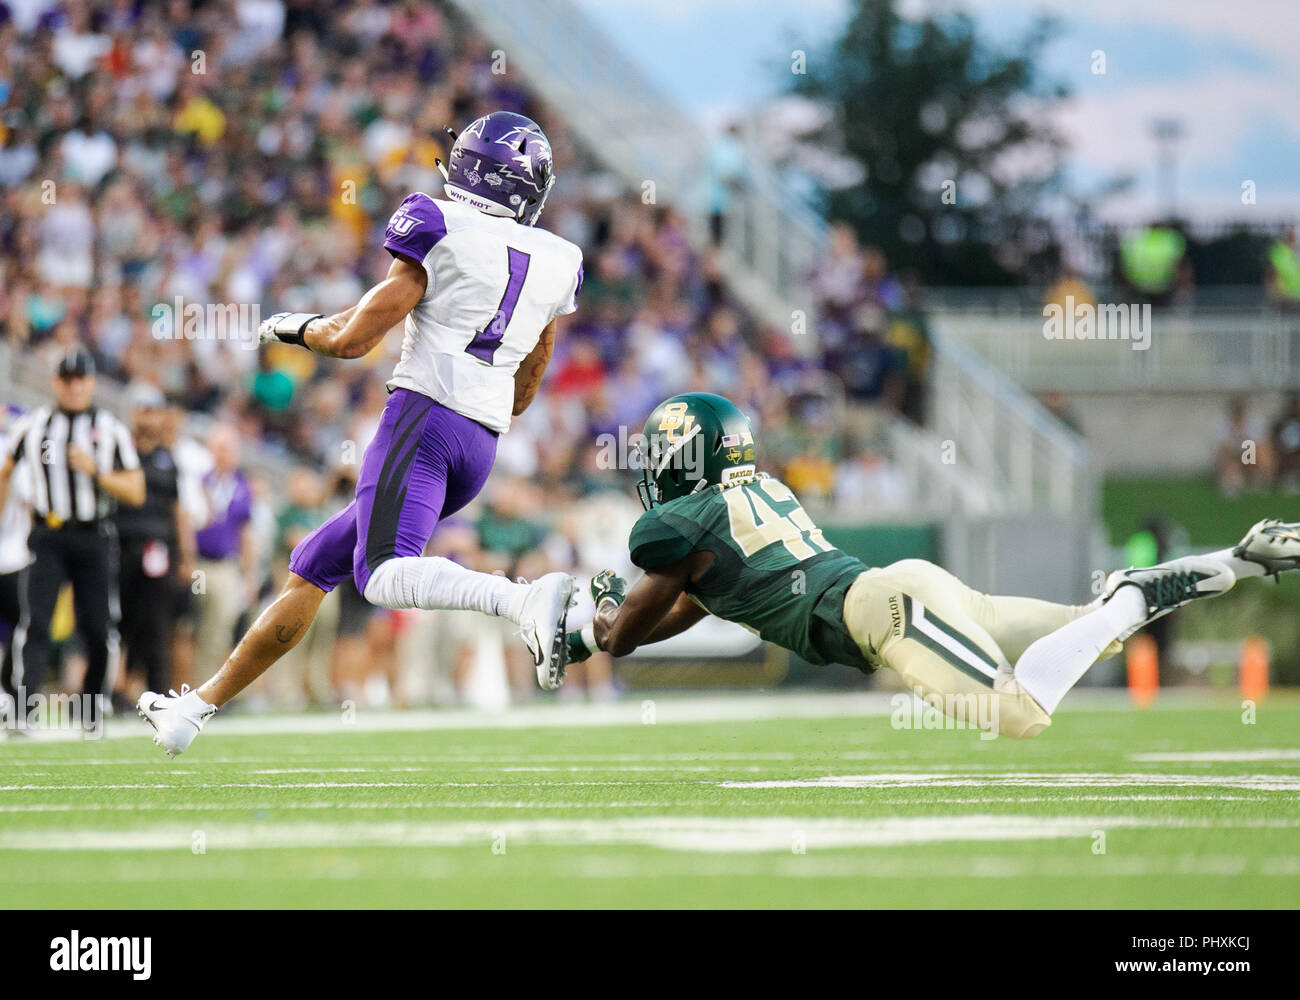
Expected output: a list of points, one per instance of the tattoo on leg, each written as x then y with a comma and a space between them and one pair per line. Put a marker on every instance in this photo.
285, 634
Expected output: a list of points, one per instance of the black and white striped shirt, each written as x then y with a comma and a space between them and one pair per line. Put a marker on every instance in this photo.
58, 494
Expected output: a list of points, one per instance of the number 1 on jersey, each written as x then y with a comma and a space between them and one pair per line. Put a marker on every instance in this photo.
486, 341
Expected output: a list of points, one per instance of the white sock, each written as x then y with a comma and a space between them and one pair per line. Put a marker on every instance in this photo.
1241, 568
193, 703
1056, 662
437, 584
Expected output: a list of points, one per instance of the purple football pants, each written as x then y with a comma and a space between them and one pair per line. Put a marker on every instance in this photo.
425, 463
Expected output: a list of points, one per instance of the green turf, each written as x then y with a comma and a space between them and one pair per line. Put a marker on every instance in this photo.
376, 829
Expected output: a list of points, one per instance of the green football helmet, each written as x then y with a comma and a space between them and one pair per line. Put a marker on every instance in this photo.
690, 442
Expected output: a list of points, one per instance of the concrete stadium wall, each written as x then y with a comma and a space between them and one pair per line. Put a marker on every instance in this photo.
1160, 432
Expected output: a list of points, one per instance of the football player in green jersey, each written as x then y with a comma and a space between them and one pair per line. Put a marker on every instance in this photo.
720, 537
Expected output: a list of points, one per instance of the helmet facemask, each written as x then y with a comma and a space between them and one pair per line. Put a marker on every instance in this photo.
671, 468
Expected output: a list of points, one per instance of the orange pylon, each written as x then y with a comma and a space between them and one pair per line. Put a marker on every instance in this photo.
1143, 662
1252, 668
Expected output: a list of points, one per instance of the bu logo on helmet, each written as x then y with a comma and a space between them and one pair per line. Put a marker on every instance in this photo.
676, 421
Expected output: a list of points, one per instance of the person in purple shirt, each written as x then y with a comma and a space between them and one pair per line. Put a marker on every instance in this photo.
225, 568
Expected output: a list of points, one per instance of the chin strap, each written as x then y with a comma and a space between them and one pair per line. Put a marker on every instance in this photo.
437, 161
482, 204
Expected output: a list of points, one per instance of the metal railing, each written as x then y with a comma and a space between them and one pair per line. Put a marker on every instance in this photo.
1200, 350
940, 489
992, 425
1044, 537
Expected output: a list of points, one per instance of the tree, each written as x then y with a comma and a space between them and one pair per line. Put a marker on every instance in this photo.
950, 132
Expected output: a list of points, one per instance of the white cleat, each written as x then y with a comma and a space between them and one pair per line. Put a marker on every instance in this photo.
176, 718
1172, 584
1273, 544
543, 620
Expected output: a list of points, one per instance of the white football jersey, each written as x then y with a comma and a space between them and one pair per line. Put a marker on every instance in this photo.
493, 287
16, 522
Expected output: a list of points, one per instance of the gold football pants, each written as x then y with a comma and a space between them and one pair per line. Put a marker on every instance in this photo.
953, 646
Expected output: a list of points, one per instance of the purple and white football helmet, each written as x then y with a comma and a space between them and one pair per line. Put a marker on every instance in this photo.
501, 165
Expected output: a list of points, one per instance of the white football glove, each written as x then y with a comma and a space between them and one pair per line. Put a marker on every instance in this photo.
285, 328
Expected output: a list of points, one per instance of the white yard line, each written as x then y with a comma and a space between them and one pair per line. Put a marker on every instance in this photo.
158, 786
680, 833
392, 761
428, 867
1254, 782
985, 780
1215, 756
669, 709
989, 797
72, 807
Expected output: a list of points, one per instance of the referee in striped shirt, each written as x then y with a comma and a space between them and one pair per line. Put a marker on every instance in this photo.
81, 461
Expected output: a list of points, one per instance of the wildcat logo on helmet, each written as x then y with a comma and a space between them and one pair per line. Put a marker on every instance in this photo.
520, 134
502, 161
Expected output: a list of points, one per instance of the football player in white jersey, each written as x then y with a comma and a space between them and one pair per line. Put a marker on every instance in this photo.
480, 290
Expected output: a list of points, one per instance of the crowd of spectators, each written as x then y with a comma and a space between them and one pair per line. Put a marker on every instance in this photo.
171, 171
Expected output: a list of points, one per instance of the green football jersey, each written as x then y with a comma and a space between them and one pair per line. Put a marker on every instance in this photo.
773, 571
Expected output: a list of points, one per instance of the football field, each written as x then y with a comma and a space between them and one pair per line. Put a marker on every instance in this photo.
759, 800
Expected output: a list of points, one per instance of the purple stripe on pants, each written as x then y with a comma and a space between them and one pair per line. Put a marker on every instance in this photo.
425, 463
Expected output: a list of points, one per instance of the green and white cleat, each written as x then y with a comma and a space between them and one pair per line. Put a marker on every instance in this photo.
1273, 544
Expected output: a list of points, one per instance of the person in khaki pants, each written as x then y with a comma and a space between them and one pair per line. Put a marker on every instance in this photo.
226, 579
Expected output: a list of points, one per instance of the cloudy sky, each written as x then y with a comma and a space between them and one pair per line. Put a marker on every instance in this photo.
1228, 71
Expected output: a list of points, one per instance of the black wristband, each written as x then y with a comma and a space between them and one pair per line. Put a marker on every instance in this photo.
297, 334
